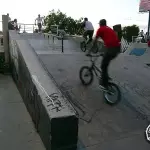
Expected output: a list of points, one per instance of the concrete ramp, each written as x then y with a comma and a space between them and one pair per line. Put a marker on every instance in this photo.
100, 126
53, 115
108, 124
139, 52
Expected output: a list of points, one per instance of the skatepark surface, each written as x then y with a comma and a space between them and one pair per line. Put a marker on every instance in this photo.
17, 131
101, 127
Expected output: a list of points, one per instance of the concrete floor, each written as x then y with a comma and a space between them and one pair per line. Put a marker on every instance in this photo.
116, 128
111, 128
17, 131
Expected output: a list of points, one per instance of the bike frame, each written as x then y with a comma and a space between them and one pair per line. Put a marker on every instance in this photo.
94, 68
86, 41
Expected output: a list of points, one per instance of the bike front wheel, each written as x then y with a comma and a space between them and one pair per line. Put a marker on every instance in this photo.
113, 94
83, 46
86, 75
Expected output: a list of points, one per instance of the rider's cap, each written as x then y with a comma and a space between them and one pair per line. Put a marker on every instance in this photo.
86, 19
102, 22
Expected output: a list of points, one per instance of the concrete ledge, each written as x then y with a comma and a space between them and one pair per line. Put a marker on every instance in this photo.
53, 116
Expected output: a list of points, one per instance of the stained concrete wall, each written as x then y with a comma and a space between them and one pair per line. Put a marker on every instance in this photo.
53, 115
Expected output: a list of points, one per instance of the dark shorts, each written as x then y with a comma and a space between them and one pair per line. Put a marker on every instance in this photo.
39, 26
113, 50
110, 54
88, 33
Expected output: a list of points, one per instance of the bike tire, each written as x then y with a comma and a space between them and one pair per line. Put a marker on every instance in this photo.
83, 46
95, 51
106, 93
81, 75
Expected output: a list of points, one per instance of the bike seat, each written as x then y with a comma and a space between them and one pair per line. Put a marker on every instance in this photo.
88, 55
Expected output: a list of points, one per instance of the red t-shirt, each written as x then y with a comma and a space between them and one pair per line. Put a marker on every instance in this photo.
109, 36
148, 43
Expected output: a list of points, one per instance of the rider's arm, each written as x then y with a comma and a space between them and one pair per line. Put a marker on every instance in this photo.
99, 33
43, 21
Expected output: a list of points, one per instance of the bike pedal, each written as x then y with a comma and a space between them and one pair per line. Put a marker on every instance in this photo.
103, 88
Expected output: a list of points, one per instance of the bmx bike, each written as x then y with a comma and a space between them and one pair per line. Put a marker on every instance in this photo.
84, 45
89, 71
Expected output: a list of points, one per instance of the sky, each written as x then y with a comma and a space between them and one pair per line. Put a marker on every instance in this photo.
125, 12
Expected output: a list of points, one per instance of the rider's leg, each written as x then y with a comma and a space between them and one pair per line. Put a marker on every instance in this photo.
39, 26
90, 34
85, 35
104, 68
109, 55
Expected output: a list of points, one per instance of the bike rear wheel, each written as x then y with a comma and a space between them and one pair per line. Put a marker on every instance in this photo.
113, 90
86, 72
95, 49
98, 48
83, 46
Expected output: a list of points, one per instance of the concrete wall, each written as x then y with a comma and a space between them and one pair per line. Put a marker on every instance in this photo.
52, 114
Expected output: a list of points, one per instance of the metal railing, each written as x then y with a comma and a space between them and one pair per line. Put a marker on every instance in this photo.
54, 27
26, 27
48, 35
29, 28
139, 39
134, 39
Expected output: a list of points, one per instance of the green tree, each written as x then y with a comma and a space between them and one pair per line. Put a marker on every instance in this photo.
59, 18
130, 31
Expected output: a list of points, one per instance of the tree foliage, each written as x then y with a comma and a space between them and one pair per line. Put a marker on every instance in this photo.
64, 22
130, 31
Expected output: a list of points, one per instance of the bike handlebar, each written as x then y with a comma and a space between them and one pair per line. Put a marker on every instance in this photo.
96, 57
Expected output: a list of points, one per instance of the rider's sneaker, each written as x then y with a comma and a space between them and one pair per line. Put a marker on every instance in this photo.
102, 87
109, 78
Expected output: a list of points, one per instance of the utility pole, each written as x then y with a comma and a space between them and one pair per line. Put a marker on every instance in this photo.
148, 22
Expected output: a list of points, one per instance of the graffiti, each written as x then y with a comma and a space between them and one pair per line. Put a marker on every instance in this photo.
53, 99
32, 100
36, 97
28, 91
14, 53
57, 103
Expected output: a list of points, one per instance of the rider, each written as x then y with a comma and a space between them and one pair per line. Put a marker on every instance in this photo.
16, 24
39, 20
112, 44
89, 30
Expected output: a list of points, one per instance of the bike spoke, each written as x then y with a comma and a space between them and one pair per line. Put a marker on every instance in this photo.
113, 95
